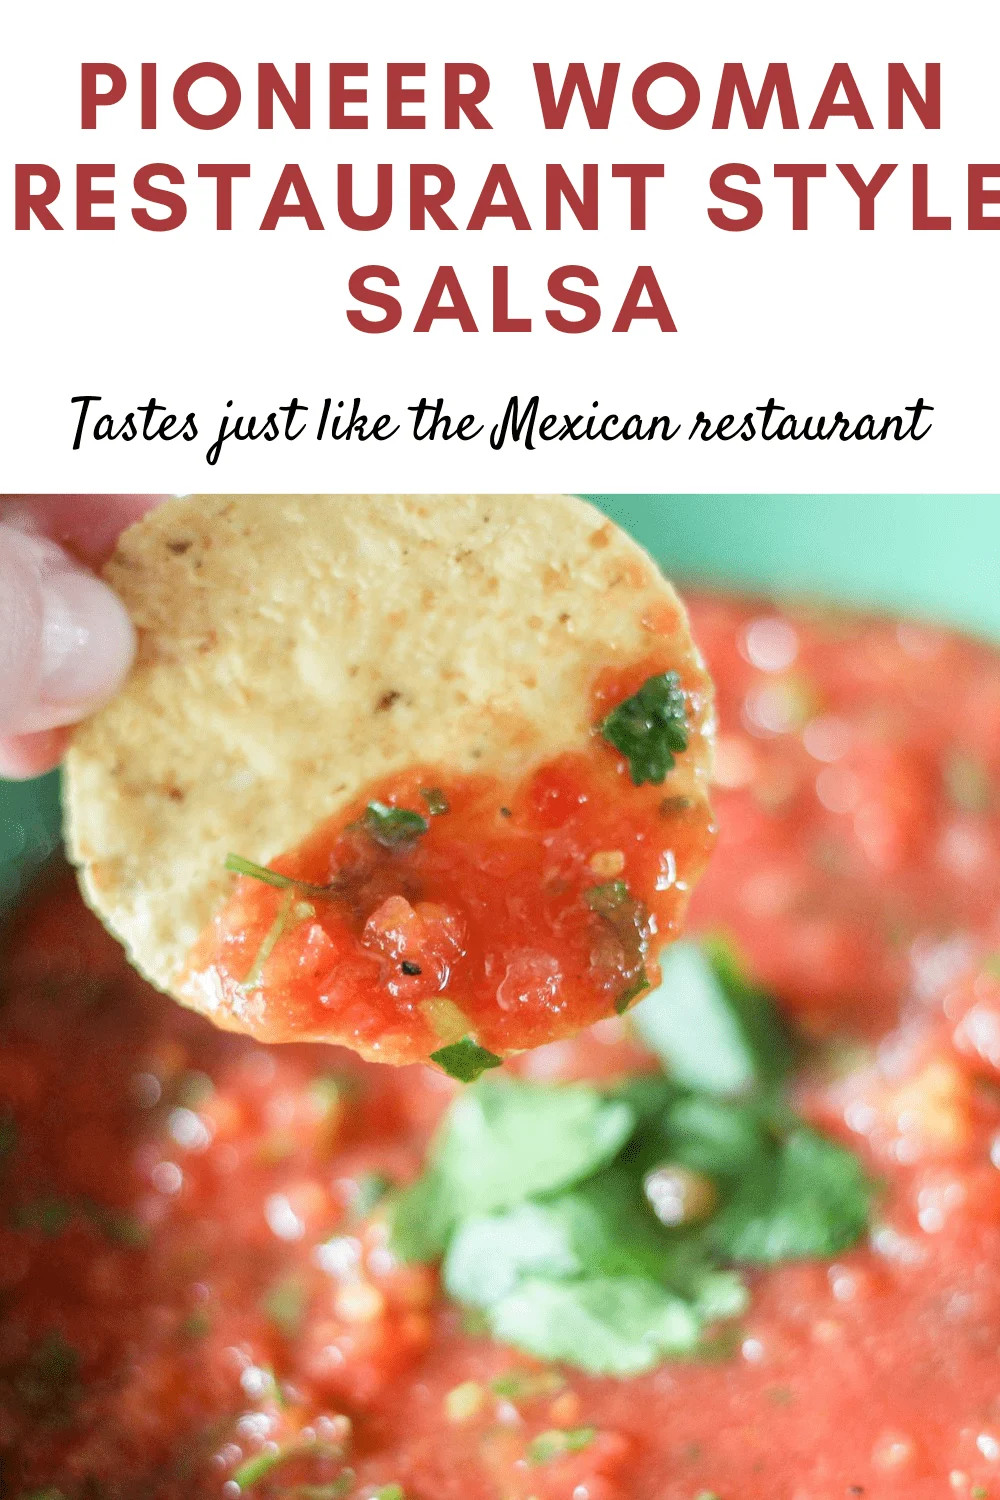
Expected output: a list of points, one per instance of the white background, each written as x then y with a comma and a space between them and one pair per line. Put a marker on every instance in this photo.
822, 320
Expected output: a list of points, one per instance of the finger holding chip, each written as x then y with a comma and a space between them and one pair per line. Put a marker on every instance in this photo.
425, 776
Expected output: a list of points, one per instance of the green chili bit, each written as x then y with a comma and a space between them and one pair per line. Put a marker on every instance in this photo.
650, 728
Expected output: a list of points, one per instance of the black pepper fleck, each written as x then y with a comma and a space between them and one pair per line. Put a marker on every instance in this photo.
410, 968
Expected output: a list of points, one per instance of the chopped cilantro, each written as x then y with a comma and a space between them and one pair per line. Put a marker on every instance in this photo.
629, 920
650, 728
437, 802
118, 1226
711, 1029
371, 1190
8, 1134
465, 1060
48, 1381
282, 918
196, 1325
240, 866
261, 1465
393, 827
285, 1305
559, 1441
632, 991
967, 782
528, 1385
47, 1215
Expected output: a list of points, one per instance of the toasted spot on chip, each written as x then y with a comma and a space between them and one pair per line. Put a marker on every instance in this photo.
297, 651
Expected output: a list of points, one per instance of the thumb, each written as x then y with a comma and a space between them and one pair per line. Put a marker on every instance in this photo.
66, 641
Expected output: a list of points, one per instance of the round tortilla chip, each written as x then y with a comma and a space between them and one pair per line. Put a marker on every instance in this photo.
295, 648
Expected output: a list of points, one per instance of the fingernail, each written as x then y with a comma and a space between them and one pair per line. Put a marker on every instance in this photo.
87, 644
66, 641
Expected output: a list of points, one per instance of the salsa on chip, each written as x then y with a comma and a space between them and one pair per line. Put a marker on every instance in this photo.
425, 776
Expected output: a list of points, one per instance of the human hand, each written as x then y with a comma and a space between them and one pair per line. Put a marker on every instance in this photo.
66, 643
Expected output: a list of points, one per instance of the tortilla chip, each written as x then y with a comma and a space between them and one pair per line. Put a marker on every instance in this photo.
294, 648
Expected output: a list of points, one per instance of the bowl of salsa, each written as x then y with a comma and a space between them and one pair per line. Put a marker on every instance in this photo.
743, 1247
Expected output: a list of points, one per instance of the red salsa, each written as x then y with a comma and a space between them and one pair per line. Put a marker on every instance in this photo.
198, 1298
439, 907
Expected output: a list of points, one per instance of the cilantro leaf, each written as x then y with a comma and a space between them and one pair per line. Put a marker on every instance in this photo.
606, 1325
437, 802
602, 1227
650, 728
721, 1138
629, 921
465, 1060
710, 1028
502, 1141
393, 827
809, 1198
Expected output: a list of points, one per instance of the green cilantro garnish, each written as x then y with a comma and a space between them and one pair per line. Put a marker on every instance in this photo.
500, 1142
46, 1214
284, 917
650, 728
197, 1325
632, 991
967, 782
629, 920
709, 1026
539, 1198
238, 865
48, 1382
285, 1305
465, 1060
371, 1189
393, 827
437, 802
262, 1465
117, 1225
549, 1445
